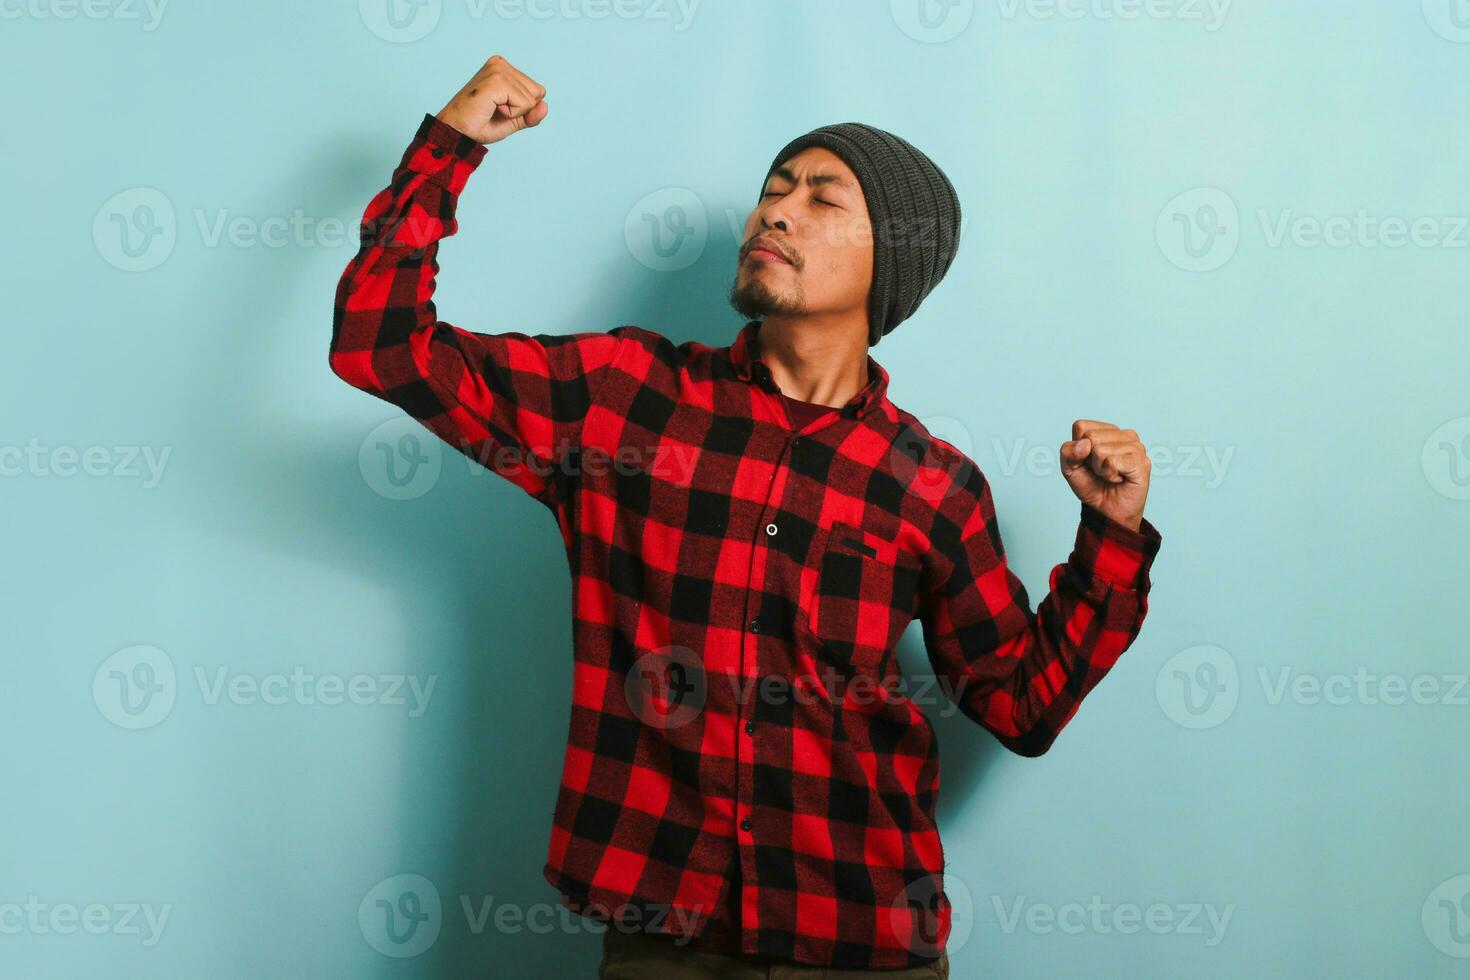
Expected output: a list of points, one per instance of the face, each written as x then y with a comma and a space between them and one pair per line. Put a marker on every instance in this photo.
812, 208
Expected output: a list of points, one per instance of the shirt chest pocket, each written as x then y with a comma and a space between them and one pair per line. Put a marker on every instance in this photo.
865, 596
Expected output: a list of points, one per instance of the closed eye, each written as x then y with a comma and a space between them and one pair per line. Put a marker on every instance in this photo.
819, 200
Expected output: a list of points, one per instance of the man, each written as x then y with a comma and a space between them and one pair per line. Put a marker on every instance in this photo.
748, 787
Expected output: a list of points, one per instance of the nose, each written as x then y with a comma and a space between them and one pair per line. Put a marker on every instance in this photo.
778, 216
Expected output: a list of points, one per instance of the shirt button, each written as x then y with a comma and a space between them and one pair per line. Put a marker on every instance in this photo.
755, 626
750, 728
745, 824
771, 530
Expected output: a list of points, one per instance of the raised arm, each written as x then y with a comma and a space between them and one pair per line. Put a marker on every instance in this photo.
1023, 674
511, 401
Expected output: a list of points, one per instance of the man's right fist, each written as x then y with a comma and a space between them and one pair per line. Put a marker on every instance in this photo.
498, 101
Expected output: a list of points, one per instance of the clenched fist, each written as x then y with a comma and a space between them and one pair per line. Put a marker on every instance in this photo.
498, 101
1107, 469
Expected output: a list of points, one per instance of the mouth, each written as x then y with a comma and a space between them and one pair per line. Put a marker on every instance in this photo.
766, 253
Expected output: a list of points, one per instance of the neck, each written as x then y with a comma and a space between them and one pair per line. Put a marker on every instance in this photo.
815, 359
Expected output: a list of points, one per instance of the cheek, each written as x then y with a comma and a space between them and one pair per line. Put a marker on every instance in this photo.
851, 269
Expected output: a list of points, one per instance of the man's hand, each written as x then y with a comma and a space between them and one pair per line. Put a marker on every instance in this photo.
1108, 469
498, 101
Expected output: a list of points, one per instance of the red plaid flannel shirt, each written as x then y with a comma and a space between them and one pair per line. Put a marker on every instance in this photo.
738, 590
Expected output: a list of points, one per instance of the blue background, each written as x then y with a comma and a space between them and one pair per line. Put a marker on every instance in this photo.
1173, 221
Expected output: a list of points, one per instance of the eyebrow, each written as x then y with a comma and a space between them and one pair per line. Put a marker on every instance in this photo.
813, 180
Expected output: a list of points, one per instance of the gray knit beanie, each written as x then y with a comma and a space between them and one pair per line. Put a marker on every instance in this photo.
914, 211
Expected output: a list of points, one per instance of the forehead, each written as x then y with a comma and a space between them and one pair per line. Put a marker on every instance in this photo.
818, 161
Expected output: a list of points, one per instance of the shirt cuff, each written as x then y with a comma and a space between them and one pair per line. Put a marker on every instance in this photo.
443, 153
441, 134
1114, 552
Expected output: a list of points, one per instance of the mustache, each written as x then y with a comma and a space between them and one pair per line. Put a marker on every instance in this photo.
780, 246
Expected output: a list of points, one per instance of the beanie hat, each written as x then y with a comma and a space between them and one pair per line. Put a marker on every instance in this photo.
914, 210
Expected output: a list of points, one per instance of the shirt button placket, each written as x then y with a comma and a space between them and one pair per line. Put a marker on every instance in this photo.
771, 530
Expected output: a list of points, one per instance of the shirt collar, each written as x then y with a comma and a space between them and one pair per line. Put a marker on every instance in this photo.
745, 357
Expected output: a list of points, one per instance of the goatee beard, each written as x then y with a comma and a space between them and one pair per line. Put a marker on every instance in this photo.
753, 300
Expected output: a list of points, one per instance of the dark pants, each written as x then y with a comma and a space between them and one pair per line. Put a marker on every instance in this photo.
634, 956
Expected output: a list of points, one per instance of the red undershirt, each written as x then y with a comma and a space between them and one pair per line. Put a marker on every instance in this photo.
803, 412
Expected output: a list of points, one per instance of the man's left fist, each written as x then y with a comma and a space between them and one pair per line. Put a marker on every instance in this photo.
1107, 468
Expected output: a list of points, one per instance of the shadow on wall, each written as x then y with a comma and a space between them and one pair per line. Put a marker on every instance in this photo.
480, 578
